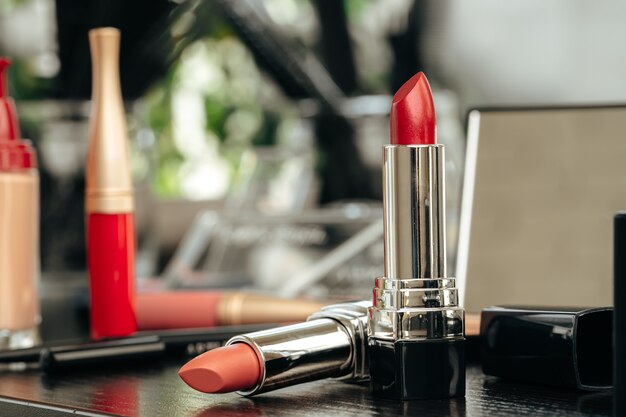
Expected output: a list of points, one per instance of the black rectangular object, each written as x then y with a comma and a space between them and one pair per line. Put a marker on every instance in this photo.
418, 369
568, 347
619, 322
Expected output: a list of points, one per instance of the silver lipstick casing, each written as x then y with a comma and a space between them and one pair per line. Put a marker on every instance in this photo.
416, 327
332, 343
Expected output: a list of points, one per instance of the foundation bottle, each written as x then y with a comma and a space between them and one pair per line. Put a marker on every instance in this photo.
19, 229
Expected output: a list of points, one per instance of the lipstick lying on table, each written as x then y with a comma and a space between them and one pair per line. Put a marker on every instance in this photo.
190, 309
416, 327
109, 197
331, 344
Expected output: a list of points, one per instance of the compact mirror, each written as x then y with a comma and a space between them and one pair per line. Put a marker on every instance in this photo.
540, 191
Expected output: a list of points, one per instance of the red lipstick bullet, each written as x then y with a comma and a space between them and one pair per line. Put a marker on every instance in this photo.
412, 116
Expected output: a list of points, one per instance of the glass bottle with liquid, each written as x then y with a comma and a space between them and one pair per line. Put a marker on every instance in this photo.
19, 229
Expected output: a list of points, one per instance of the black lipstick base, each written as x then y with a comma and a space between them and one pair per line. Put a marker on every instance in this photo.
417, 370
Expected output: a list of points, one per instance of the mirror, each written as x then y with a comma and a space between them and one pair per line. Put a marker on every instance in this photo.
541, 188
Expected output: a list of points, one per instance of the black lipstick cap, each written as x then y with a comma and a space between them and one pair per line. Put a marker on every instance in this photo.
567, 347
417, 370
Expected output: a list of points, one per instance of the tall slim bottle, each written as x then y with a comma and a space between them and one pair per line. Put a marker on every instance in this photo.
19, 228
109, 196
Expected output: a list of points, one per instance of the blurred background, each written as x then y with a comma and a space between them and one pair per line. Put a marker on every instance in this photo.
256, 126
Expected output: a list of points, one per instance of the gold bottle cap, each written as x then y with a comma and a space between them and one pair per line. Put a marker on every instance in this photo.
108, 178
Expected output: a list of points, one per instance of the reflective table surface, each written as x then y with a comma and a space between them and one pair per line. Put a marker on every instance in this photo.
155, 390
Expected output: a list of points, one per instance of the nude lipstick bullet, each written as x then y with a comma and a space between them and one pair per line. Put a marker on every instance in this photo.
330, 344
109, 196
416, 327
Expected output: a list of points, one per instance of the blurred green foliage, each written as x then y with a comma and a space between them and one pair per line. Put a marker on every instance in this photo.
220, 73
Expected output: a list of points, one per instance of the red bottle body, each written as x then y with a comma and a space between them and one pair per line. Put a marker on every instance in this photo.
111, 258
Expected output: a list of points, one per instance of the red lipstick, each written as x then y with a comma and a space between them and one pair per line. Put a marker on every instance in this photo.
416, 327
412, 115
109, 197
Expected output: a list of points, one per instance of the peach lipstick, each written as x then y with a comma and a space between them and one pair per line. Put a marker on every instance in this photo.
226, 369
416, 327
109, 197
330, 344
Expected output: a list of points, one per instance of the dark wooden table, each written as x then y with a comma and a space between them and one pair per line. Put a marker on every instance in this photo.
155, 390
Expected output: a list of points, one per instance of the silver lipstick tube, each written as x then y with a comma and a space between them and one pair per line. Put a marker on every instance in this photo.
416, 327
330, 344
